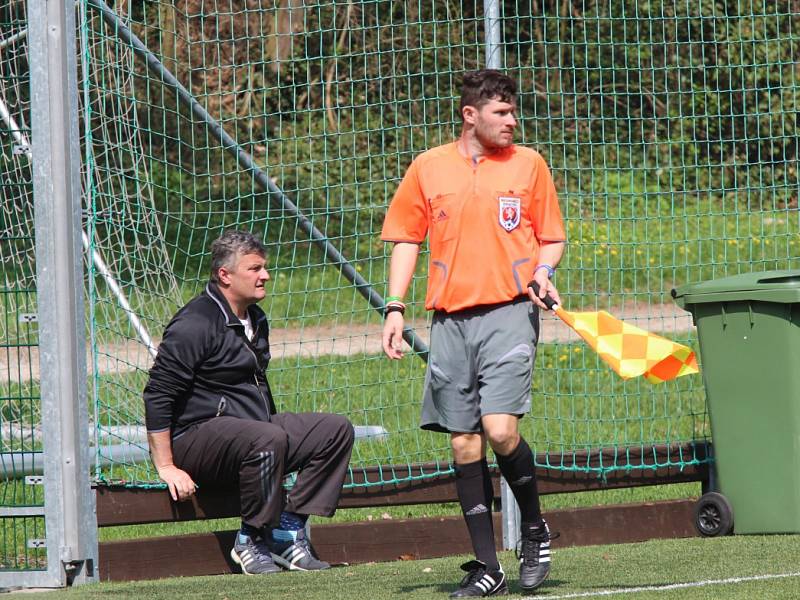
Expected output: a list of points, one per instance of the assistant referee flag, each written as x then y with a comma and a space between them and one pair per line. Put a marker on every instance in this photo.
628, 350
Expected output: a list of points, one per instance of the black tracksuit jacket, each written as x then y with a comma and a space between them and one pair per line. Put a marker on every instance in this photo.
207, 367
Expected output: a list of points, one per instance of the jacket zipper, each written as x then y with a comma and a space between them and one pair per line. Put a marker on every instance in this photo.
255, 375
223, 402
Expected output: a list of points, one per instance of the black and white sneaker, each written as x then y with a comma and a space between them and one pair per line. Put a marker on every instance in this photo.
298, 555
534, 554
480, 581
253, 557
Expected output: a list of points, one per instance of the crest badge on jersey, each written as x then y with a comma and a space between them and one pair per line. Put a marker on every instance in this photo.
509, 212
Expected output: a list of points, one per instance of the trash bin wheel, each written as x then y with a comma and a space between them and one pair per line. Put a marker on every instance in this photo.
713, 515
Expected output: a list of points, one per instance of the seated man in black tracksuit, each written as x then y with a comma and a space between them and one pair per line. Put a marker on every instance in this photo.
211, 418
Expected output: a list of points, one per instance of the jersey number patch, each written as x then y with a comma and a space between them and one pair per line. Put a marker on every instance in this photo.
509, 212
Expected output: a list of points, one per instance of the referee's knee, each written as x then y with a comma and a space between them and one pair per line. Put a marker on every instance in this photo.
503, 441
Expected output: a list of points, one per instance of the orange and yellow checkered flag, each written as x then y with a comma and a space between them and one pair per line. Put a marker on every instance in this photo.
628, 350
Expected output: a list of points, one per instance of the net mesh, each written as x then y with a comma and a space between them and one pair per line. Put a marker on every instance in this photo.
20, 440
670, 130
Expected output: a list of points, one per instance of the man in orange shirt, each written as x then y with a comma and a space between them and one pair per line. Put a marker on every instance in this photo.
490, 211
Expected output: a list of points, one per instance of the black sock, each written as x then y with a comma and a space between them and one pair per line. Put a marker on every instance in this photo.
249, 530
471, 487
520, 474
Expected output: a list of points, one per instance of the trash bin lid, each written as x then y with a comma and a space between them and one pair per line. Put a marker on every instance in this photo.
766, 286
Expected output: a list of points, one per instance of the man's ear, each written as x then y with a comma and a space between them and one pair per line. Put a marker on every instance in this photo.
469, 114
224, 276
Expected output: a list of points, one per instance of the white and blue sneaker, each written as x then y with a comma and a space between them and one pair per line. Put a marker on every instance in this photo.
297, 554
253, 556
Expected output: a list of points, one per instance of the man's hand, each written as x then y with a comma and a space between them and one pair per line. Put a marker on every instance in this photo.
393, 335
181, 486
545, 287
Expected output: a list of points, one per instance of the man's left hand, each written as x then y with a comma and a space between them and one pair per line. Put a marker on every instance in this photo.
545, 287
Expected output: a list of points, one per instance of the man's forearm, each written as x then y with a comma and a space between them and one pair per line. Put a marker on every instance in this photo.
161, 449
550, 253
180, 484
401, 267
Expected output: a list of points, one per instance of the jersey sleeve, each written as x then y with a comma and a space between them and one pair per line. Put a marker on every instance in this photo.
548, 225
407, 217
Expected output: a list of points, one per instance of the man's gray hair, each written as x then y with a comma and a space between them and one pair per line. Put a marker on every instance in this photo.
227, 247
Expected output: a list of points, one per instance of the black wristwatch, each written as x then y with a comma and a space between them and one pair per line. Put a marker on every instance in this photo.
394, 308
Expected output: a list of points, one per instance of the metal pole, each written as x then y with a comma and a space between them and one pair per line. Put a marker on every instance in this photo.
494, 60
14, 38
70, 520
511, 516
493, 33
259, 175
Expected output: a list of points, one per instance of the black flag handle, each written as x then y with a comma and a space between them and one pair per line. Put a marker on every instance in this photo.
548, 300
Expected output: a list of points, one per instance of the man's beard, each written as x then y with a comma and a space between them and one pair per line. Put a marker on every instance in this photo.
492, 143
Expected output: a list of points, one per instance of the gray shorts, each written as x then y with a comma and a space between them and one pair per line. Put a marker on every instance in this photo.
480, 363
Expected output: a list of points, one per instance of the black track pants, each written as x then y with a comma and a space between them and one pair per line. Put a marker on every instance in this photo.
255, 455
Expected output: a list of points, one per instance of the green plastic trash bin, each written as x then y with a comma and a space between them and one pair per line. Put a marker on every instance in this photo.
749, 332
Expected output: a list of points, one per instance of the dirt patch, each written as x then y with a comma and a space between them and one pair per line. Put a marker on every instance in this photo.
22, 364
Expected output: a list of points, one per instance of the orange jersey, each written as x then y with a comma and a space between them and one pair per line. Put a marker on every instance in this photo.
485, 222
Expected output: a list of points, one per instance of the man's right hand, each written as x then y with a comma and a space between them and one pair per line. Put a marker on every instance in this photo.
393, 335
181, 486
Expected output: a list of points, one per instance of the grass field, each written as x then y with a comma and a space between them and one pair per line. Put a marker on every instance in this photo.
735, 568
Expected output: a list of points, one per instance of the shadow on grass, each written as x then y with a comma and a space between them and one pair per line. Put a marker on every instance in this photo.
513, 587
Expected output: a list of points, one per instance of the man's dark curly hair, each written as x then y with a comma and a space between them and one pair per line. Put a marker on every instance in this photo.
479, 87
